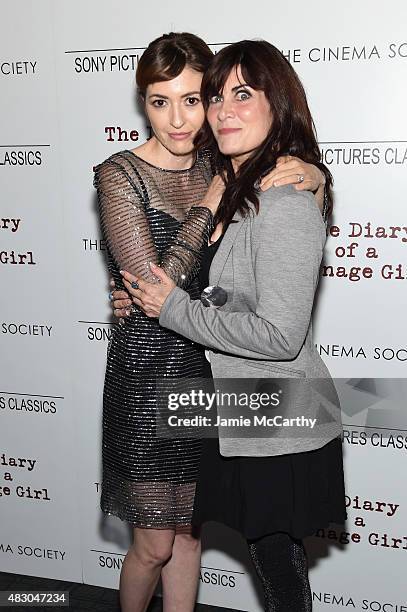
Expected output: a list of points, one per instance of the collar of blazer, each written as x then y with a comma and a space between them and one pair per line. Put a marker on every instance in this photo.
225, 247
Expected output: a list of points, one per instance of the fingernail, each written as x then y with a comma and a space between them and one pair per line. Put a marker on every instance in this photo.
275, 184
121, 272
127, 313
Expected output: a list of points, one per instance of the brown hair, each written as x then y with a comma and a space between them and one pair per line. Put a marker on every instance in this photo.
166, 57
292, 131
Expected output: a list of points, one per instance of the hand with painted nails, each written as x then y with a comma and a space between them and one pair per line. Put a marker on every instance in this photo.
120, 300
150, 297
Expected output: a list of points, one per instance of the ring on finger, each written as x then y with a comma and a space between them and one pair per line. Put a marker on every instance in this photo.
135, 285
300, 178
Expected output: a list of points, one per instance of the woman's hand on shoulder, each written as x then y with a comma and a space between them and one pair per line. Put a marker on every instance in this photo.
294, 171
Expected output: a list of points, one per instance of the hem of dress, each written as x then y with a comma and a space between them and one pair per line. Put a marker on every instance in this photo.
255, 535
173, 526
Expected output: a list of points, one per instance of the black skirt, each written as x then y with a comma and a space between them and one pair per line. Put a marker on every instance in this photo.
296, 493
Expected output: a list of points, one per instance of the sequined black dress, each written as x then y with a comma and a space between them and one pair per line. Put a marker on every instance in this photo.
146, 216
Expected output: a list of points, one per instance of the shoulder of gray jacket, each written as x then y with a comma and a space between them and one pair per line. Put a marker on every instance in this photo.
286, 201
278, 196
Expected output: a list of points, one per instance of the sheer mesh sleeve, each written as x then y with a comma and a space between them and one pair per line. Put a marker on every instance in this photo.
182, 258
127, 232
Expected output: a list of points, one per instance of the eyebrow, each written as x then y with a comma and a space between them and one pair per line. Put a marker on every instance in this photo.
239, 86
186, 95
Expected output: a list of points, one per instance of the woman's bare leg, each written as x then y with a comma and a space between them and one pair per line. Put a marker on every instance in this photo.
180, 575
142, 566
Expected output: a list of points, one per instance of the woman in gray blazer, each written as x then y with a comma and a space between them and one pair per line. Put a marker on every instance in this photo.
280, 488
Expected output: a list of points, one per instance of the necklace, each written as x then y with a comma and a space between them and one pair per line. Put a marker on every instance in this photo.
214, 296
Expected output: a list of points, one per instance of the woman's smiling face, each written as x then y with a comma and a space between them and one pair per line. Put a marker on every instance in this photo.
175, 111
240, 117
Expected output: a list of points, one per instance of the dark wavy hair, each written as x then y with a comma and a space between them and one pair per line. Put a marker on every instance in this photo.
167, 56
292, 131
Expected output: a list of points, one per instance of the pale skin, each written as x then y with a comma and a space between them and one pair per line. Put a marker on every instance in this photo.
175, 112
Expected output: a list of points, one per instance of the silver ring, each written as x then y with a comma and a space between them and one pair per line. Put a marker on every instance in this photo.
111, 298
300, 178
135, 285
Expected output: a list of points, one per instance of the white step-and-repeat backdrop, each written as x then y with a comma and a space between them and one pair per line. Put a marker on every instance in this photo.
67, 102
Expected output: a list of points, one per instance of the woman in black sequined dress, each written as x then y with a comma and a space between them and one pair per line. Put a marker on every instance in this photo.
155, 207
152, 210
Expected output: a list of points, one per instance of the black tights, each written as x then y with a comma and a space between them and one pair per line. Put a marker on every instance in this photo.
281, 564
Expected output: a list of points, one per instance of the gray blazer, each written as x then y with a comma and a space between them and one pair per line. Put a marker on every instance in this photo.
269, 265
